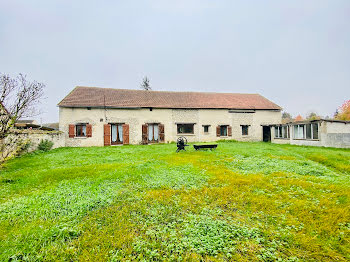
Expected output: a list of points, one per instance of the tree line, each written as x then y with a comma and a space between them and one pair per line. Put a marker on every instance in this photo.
341, 113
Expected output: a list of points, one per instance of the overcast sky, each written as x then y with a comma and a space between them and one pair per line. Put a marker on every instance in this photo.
295, 53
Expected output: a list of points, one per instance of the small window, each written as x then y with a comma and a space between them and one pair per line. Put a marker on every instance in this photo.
245, 130
185, 128
80, 130
206, 129
223, 130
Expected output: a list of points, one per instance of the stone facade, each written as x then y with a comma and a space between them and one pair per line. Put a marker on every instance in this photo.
330, 134
135, 118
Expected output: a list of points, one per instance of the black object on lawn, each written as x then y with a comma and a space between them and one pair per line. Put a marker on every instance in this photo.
181, 143
211, 147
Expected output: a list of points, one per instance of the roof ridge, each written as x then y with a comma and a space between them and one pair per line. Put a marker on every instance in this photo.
164, 91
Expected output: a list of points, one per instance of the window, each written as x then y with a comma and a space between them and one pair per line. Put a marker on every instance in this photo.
223, 130
116, 134
277, 133
281, 131
206, 129
80, 130
185, 128
314, 131
306, 131
299, 132
153, 132
245, 130
285, 131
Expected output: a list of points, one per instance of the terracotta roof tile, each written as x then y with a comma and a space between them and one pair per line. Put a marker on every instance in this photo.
126, 98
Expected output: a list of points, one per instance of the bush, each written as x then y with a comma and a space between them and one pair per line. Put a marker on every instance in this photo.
45, 145
23, 147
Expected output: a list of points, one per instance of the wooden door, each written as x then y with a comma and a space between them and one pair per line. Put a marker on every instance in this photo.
107, 134
161, 133
125, 134
144, 135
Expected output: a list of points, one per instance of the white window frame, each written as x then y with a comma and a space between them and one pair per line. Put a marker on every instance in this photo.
280, 132
304, 132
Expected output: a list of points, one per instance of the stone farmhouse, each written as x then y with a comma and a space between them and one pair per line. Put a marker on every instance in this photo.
91, 116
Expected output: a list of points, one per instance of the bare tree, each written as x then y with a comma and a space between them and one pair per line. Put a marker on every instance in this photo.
145, 84
19, 98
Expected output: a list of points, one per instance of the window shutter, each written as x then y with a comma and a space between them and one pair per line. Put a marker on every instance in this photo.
161, 133
229, 129
144, 135
107, 134
125, 134
71, 131
89, 130
218, 131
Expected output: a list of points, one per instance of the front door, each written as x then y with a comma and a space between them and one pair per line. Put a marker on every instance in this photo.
153, 133
266, 134
116, 134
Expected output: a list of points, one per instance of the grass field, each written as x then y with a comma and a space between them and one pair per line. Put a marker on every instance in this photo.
243, 201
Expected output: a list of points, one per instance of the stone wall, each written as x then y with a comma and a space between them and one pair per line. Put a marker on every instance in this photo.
135, 118
35, 136
14, 144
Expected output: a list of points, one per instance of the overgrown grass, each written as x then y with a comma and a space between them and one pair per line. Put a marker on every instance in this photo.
243, 201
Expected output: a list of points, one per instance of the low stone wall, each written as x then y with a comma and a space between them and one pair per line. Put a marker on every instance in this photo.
35, 136
17, 142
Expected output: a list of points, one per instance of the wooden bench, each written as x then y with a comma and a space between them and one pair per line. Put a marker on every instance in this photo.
211, 147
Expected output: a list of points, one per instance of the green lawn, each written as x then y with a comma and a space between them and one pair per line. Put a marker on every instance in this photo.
243, 201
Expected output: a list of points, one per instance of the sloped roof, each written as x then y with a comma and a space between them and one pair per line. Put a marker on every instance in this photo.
319, 120
126, 98
26, 121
